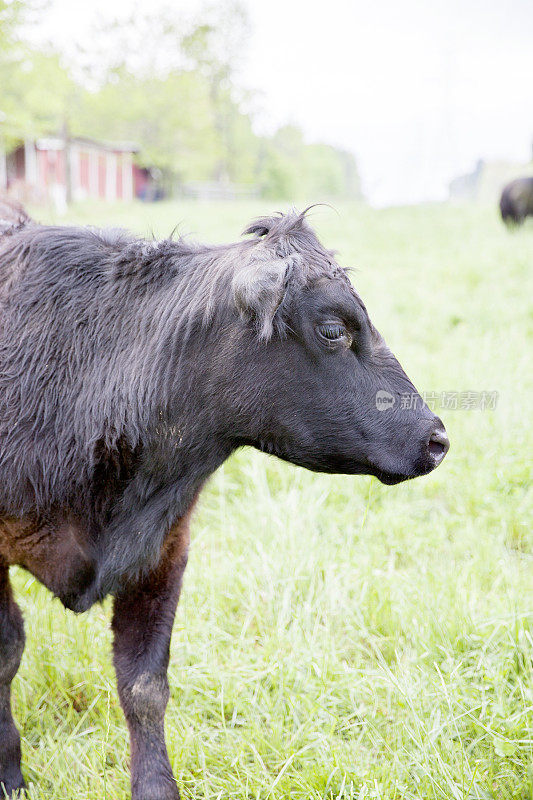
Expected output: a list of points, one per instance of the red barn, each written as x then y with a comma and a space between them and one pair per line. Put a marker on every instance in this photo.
83, 169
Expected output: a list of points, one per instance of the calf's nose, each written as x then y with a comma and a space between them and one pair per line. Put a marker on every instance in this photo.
438, 444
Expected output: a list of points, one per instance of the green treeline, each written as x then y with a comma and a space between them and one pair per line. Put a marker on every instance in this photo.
173, 90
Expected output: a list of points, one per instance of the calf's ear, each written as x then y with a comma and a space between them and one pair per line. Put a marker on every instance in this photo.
259, 289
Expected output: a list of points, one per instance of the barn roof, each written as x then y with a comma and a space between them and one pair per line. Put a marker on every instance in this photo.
57, 143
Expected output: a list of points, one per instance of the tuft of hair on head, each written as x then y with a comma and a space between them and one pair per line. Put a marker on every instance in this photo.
281, 224
259, 227
278, 225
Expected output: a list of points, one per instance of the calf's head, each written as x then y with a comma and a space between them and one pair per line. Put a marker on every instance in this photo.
308, 377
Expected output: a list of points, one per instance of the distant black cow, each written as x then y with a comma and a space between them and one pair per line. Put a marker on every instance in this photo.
516, 202
129, 371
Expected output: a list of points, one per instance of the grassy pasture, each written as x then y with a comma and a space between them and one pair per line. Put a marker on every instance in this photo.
337, 638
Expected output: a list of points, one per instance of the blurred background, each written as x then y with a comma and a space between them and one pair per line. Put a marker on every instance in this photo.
336, 639
390, 103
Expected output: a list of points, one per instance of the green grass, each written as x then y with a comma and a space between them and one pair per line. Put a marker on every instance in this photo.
337, 638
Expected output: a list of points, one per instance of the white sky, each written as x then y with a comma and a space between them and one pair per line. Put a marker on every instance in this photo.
417, 89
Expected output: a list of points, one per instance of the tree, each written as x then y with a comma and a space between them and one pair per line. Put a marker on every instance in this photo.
290, 168
36, 93
12, 13
214, 48
170, 86
170, 120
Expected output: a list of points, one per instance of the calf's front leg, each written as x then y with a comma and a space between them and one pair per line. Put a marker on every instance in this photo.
11, 648
142, 624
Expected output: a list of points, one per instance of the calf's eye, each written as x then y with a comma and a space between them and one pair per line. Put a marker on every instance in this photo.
332, 332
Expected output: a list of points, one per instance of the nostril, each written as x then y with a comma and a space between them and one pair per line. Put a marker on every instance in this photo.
438, 445
436, 448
